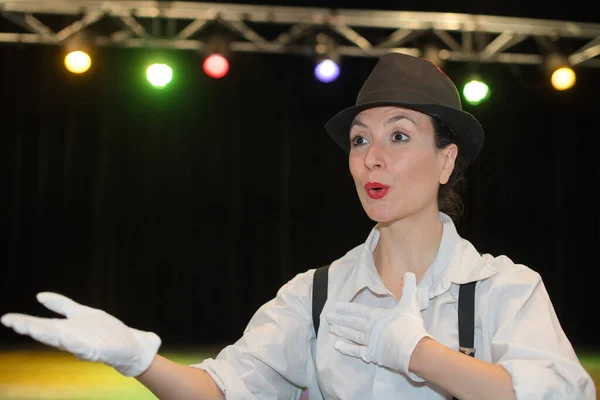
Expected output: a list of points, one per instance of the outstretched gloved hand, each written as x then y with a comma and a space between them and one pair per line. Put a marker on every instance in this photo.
386, 337
90, 334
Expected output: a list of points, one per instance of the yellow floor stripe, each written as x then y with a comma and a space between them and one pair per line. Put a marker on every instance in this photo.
41, 375
26, 375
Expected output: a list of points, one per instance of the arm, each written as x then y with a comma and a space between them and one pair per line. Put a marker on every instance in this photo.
464, 376
523, 335
530, 356
396, 338
172, 381
94, 335
271, 359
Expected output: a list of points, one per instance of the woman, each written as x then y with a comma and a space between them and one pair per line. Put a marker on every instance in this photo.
389, 327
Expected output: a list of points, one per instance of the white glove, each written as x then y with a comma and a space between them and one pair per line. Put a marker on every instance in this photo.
386, 337
90, 334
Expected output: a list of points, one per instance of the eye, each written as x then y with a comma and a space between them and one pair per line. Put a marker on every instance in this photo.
399, 137
358, 141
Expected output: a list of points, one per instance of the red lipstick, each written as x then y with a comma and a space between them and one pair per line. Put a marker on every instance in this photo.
376, 190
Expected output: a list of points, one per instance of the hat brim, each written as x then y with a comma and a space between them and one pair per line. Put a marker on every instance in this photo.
468, 130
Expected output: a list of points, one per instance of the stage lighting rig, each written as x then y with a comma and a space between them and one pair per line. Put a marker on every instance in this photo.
216, 52
327, 59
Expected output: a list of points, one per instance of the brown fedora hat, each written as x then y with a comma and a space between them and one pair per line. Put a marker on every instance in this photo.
416, 83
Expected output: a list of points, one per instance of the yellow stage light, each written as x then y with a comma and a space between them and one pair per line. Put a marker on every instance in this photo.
78, 62
563, 78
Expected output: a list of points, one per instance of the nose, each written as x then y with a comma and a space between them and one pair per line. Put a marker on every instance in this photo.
374, 158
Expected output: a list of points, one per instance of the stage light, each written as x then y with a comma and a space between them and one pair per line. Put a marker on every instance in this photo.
327, 67
216, 66
159, 75
78, 50
327, 71
216, 62
563, 78
476, 91
78, 62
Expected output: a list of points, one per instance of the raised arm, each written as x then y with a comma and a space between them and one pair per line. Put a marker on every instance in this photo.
94, 335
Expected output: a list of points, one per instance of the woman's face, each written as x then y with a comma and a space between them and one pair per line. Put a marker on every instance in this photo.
395, 164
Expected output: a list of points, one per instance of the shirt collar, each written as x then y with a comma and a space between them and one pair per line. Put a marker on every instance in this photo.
457, 261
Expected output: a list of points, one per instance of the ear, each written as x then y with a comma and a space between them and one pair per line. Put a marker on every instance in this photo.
448, 154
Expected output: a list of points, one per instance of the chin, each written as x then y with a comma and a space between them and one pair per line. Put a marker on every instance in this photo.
381, 214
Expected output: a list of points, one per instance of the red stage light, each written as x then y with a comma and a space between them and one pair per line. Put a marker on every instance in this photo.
216, 66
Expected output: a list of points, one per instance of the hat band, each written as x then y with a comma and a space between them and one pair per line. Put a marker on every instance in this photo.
403, 96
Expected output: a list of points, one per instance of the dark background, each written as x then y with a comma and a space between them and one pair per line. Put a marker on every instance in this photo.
183, 210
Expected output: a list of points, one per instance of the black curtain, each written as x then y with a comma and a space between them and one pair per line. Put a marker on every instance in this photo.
182, 210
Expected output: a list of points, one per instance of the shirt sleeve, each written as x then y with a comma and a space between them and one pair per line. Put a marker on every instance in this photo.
271, 359
529, 342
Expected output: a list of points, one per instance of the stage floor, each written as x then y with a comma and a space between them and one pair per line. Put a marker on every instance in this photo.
49, 374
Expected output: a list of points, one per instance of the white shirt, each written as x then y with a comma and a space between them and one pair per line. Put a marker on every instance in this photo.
515, 326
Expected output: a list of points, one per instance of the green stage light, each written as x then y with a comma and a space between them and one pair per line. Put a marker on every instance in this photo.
159, 75
475, 91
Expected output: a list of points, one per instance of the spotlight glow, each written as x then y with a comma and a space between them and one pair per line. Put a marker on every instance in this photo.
327, 71
159, 75
78, 62
476, 91
563, 78
216, 66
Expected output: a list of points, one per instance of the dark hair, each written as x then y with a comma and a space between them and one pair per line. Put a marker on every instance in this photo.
450, 194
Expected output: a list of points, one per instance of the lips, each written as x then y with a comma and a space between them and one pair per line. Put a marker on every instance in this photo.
376, 190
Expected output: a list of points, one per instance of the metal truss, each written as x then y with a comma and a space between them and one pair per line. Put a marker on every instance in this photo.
275, 29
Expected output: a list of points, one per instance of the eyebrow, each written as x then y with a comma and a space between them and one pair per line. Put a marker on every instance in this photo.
357, 122
391, 120
399, 117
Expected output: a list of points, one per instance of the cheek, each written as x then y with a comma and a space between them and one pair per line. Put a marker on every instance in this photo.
417, 173
356, 166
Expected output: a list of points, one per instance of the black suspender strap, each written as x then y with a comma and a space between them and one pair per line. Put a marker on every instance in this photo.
319, 294
466, 318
